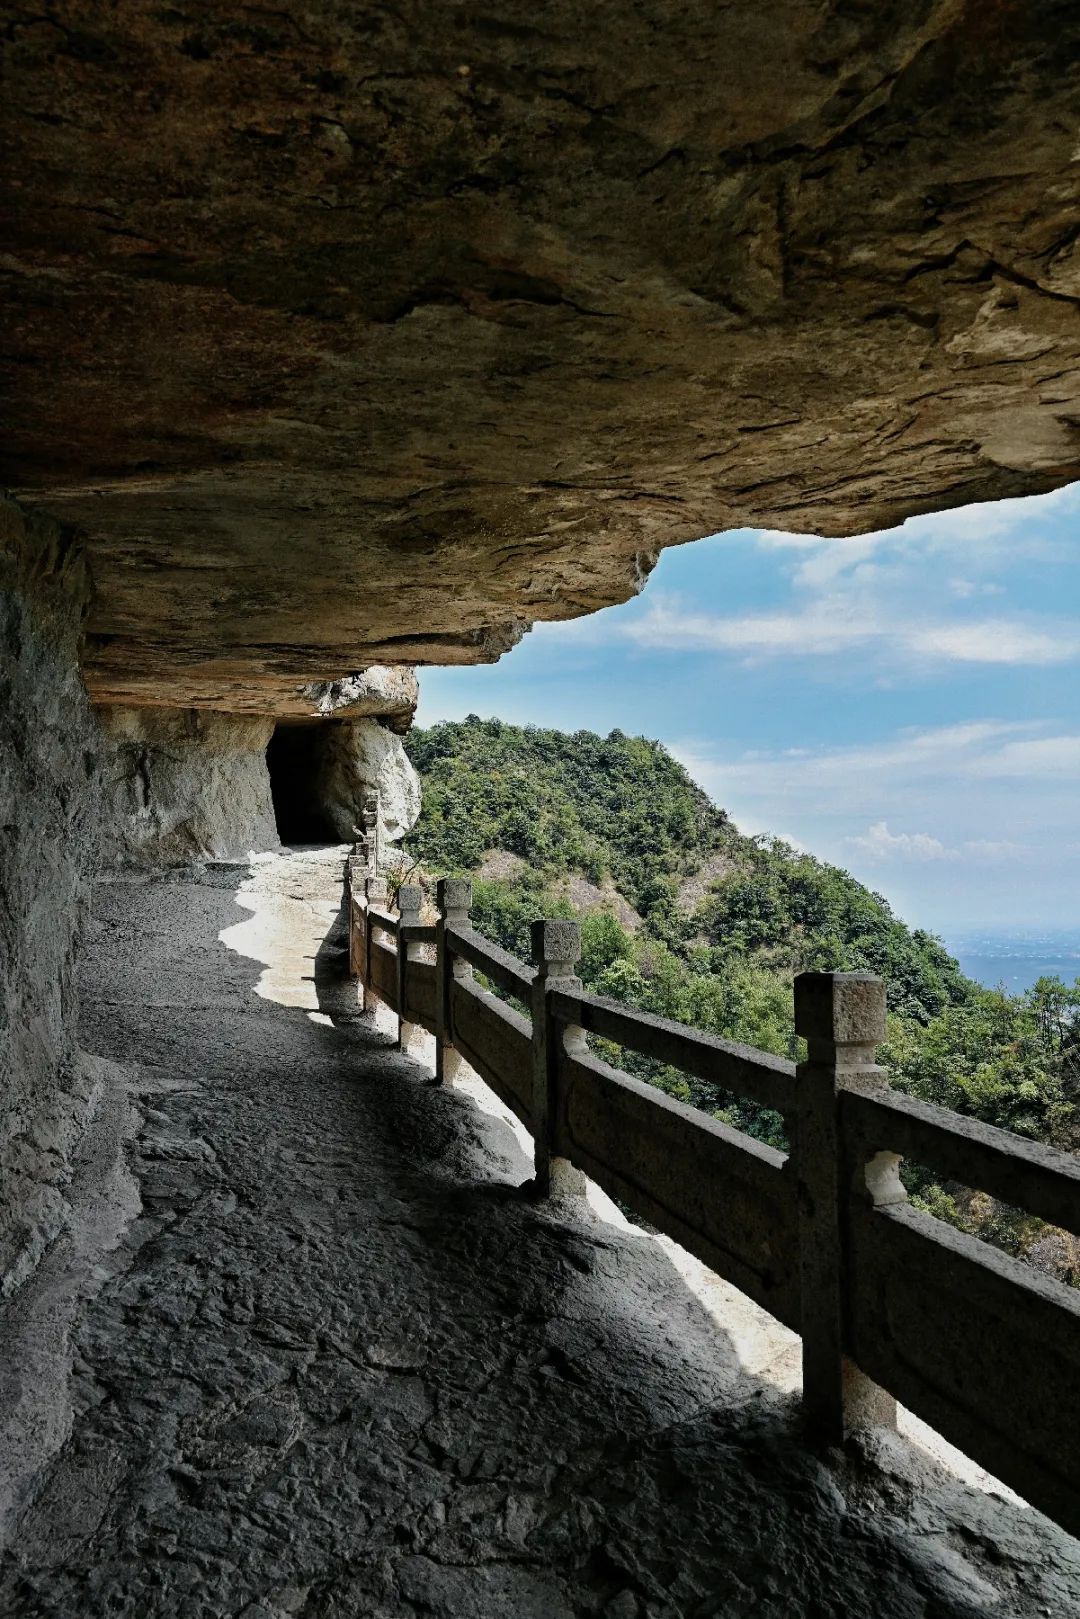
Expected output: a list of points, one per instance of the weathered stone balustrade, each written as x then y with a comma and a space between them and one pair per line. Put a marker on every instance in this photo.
892, 1305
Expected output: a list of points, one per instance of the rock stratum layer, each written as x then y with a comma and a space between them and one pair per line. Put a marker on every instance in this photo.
357, 335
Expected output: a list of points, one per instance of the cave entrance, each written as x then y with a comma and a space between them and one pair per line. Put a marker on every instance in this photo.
293, 758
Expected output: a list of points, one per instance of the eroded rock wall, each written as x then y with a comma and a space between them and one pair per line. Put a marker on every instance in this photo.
362, 756
49, 771
389, 694
185, 785
182, 785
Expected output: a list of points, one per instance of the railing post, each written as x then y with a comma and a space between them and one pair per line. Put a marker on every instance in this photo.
370, 818
556, 951
355, 873
453, 896
375, 891
410, 899
357, 946
842, 1018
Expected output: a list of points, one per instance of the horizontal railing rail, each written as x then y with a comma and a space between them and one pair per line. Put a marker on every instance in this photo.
891, 1304
382, 919
495, 1041
490, 959
1026, 1174
756, 1075
979, 1345
721, 1195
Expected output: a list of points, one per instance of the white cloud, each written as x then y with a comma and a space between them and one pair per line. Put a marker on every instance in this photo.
993, 640
844, 622
973, 750
979, 793
668, 625
995, 849
897, 595
965, 589
1046, 758
879, 843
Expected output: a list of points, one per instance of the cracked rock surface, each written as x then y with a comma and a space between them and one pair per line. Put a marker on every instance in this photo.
364, 334
339, 1366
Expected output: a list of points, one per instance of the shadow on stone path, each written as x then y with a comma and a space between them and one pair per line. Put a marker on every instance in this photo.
339, 1366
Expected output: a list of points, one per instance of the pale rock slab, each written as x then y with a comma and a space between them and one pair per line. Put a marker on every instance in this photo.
183, 785
359, 757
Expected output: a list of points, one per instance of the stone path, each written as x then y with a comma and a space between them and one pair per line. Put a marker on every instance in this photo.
337, 1365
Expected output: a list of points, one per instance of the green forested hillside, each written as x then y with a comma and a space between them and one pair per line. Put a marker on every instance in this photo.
684, 916
616, 804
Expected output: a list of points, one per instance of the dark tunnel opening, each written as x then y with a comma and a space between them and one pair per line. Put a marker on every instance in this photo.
293, 758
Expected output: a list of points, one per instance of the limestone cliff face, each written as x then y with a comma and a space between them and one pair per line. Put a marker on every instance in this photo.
359, 334
180, 785
390, 695
48, 836
361, 757
186, 785
349, 340
134, 788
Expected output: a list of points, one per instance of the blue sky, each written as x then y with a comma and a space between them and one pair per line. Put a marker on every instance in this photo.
903, 703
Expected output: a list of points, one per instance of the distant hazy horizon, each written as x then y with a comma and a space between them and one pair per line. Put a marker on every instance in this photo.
1015, 960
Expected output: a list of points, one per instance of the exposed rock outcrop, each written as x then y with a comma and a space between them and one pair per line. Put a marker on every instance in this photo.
352, 339
182, 785
48, 832
390, 695
359, 757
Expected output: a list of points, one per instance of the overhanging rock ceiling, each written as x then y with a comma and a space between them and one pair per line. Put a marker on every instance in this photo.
359, 335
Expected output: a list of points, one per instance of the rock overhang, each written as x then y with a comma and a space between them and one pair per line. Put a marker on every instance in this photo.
352, 337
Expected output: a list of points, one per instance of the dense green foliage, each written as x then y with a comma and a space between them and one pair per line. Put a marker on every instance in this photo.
808, 915
726, 921
615, 806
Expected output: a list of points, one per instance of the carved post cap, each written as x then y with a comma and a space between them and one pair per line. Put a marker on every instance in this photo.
556, 943
453, 896
846, 1009
410, 898
375, 889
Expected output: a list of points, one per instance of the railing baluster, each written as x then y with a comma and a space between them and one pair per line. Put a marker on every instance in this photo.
556, 951
842, 1018
453, 896
375, 889
410, 900
370, 820
356, 923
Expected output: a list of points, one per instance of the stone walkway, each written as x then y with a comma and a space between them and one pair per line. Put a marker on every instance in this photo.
331, 1363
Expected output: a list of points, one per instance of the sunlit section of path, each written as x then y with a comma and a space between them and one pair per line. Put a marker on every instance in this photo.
294, 902
338, 1362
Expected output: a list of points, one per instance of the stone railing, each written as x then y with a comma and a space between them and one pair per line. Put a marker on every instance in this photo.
364, 859
890, 1303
